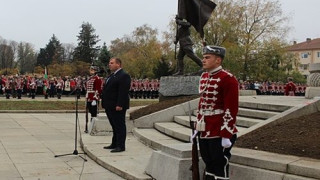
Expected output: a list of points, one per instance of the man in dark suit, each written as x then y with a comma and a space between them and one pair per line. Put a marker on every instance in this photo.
115, 101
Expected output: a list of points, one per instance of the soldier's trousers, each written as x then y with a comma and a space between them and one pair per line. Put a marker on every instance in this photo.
215, 157
59, 93
8, 93
93, 110
19, 92
33, 93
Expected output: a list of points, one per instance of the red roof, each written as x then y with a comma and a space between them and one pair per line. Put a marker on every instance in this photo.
307, 45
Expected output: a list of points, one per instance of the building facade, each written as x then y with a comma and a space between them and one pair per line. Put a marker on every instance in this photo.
307, 52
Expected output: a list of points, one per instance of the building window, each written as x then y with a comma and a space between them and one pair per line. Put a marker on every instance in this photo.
304, 55
303, 67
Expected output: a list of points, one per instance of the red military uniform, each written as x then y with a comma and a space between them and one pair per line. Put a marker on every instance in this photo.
93, 88
218, 105
59, 87
19, 86
290, 89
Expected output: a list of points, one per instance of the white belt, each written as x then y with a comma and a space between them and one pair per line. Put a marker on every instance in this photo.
212, 112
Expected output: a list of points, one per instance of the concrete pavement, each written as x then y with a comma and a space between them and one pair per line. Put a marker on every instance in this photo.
29, 142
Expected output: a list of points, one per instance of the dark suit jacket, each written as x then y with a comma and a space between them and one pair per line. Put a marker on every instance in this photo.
116, 91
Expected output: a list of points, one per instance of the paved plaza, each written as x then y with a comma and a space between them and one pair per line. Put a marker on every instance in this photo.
29, 142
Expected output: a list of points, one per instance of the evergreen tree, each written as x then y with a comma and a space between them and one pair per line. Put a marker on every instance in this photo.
104, 57
161, 69
43, 59
53, 52
87, 50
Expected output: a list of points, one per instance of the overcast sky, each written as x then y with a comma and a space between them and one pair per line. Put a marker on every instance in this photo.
35, 21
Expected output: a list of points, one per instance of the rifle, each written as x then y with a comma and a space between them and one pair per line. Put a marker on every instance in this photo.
176, 42
195, 157
86, 128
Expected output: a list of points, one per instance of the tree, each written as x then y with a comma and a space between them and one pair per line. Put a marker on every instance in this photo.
43, 58
162, 68
87, 50
104, 57
242, 27
140, 51
26, 58
53, 52
6, 57
68, 50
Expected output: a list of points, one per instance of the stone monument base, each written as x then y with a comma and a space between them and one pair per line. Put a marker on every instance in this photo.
312, 92
177, 86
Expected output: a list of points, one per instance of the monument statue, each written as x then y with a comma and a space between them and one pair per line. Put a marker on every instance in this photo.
185, 42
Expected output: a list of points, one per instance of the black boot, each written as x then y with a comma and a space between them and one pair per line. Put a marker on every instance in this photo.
180, 67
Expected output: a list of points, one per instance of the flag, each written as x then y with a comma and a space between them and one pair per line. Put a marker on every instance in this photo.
196, 12
45, 73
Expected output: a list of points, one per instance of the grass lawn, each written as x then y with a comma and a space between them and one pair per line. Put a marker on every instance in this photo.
57, 105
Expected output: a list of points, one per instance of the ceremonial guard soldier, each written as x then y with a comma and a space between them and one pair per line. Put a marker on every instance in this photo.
217, 111
19, 86
152, 87
14, 86
140, 89
2, 84
146, 90
290, 87
131, 90
52, 87
59, 87
281, 89
33, 87
39, 82
8, 87
135, 88
93, 86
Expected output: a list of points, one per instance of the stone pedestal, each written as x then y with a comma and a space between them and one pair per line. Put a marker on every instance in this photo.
171, 86
313, 89
312, 92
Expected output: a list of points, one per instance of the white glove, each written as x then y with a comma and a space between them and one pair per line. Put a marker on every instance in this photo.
226, 143
94, 102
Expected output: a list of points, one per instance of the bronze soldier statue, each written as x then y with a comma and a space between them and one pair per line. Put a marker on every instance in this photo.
183, 37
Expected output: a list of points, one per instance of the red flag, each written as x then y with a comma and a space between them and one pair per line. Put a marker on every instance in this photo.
196, 12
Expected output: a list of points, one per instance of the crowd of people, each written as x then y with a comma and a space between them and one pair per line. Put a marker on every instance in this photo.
32, 86
272, 88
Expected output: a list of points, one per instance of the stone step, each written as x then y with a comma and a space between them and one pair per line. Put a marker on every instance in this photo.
180, 132
241, 172
241, 121
266, 107
247, 122
257, 114
241, 129
174, 130
184, 120
266, 161
130, 164
153, 138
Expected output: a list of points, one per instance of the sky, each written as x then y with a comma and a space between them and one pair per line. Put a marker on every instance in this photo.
35, 21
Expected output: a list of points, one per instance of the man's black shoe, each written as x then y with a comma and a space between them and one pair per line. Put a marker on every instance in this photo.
109, 147
117, 149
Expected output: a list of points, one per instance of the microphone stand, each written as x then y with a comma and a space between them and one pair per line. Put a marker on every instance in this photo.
75, 152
